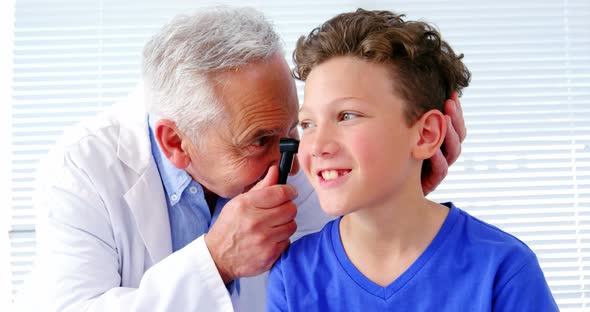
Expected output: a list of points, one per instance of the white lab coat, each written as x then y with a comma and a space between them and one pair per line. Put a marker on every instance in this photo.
103, 235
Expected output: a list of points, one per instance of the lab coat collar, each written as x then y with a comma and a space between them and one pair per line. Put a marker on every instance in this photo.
134, 147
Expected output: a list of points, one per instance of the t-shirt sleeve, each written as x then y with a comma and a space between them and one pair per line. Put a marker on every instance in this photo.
525, 290
276, 299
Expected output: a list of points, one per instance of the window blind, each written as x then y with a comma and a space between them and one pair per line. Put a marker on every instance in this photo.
6, 42
525, 165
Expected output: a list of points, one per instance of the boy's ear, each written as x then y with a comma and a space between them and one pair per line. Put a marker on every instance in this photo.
431, 128
170, 139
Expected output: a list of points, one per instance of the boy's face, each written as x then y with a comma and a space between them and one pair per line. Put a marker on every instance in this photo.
356, 145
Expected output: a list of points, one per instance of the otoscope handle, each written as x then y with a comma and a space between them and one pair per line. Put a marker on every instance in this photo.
288, 148
285, 167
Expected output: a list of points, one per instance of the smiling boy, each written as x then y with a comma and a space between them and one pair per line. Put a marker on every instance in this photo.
371, 117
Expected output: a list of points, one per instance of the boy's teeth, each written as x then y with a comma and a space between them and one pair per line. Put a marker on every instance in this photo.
329, 174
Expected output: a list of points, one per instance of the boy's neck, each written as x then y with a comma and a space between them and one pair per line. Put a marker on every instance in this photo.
382, 242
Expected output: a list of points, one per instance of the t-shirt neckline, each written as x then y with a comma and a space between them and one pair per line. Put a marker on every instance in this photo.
387, 291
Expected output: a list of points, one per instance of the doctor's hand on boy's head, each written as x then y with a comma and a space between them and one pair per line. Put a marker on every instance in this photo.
456, 131
437, 167
253, 229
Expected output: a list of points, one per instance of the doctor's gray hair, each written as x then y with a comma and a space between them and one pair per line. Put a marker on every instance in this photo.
180, 59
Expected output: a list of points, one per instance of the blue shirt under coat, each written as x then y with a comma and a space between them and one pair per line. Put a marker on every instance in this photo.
188, 210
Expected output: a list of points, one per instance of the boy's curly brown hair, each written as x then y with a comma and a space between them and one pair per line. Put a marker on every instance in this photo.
425, 68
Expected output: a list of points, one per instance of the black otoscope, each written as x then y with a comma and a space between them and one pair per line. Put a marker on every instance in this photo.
288, 148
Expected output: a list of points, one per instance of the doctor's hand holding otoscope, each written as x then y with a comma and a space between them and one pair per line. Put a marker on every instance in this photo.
259, 222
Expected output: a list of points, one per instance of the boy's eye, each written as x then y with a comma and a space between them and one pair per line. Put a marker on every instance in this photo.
348, 116
306, 124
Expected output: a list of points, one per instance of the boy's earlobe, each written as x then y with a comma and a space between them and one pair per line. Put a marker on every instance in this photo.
171, 143
431, 128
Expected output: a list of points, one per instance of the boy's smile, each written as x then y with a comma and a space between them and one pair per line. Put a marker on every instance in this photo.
329, 177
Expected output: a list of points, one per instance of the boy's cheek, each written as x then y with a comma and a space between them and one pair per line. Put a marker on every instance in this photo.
303, 159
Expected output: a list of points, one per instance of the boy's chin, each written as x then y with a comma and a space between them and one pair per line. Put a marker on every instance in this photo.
333, 209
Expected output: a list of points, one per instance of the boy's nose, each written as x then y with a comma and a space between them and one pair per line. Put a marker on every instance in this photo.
324, 145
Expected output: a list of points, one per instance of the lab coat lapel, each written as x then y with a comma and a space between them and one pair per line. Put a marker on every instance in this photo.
146, 197
147, 202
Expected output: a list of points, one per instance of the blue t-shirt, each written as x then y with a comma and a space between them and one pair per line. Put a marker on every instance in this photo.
469, 266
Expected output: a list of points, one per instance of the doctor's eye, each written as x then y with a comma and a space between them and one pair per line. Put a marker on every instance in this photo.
262, 141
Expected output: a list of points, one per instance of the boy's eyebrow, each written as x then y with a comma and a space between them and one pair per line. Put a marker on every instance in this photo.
338, 100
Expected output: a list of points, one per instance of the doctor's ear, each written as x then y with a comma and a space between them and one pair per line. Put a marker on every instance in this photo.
170, 139
431, 128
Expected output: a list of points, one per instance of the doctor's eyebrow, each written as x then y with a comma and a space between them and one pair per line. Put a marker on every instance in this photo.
270, 132
263, 133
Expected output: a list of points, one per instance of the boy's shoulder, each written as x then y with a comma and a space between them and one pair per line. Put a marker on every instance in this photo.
482, 233
504, 261
310, 247
485, 241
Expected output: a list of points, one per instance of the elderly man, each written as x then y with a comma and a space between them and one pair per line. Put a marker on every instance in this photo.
169, 200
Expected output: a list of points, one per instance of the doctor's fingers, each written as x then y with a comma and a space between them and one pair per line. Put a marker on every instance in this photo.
278, 215
272, 196
433, 174
281, 247
454, 110
275, 253
452, 143
262, 221
283, 232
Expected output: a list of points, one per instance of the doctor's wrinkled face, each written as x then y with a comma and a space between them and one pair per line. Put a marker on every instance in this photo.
261, 104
